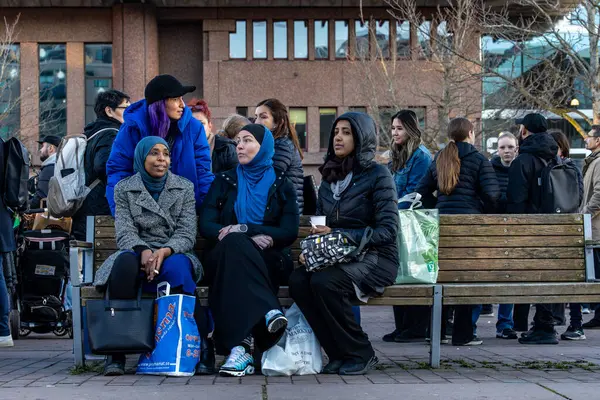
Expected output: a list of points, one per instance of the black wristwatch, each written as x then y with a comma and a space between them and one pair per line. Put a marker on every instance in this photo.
243, 228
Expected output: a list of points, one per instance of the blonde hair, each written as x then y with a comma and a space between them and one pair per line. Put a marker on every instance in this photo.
233, 125
509, 135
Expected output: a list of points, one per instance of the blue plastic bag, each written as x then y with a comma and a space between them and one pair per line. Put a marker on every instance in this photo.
177, 349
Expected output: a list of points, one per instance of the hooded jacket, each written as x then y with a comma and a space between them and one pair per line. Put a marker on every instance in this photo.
502, 176
287, 159
477, 190
224, 156
190, 155
97, 152
43, 181
369, 201
523, 195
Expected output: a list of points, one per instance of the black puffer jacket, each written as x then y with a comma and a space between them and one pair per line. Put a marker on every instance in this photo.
477, 190
96, 156
370, 200
523, 195
281, 220
287, 159
224, 156
502, 176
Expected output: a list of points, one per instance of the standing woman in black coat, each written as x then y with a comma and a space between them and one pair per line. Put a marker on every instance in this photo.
355, 193
288, 155
249, 218
466, 184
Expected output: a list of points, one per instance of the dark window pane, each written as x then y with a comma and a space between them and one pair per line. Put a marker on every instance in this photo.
321, 39
237, 41
341, 39
327, 118
298, 121
300, 39
10, 91
259, 38
280, 39
53, 89
242, 111
424, 37
362, 39
382, 36
98, 72
403, 39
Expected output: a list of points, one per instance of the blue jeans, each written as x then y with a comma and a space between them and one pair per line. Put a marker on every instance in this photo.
356, 311
505, 317
4, 304
476, 313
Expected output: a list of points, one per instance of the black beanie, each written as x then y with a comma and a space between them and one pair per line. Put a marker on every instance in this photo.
257, 130
165, 87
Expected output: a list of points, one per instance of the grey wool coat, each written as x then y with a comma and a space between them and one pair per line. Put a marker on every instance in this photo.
141, 221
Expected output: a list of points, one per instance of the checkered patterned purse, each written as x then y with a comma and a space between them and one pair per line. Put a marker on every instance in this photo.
322, 251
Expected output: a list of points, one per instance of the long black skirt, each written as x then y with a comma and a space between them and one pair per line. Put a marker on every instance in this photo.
244, 281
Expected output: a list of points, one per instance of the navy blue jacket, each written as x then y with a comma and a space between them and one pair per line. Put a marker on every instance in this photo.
406, 179
502, 176
477, 190
287, 159
190, 155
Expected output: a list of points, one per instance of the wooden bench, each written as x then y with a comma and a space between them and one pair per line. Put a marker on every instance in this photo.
483, 259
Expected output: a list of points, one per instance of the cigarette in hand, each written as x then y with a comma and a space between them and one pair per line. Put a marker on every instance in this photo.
156, 272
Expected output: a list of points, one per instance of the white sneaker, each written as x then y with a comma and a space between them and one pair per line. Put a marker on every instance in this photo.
6, 341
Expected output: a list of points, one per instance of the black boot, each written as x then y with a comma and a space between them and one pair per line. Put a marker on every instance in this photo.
206, 365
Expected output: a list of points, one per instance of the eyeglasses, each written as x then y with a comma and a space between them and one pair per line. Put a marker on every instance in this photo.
122, 107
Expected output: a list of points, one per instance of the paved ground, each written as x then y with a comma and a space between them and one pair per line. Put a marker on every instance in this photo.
40, 368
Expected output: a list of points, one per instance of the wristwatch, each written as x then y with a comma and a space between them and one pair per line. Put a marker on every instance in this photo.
243, 228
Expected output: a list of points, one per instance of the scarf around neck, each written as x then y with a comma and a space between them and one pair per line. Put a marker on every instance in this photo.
254, 181
154, 186
336, 169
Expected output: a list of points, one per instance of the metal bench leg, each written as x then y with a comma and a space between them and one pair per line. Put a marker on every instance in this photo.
77, 327
436, 327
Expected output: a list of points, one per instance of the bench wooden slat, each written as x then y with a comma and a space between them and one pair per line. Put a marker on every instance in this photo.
511, 230
510, 241
531, 299
511, 264
515, 219
511, 276
521, 289
512, 252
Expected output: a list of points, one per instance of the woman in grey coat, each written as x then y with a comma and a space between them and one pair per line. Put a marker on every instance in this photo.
155, 223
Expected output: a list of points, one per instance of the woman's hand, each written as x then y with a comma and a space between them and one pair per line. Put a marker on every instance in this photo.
301, 259
263, 241
320, 230
147, 265
156, 261
229, 229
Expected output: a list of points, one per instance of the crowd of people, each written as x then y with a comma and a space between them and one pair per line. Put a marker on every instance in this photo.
166, 176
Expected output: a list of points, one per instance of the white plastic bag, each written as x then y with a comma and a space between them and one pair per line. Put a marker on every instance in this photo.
275, 362
301, 343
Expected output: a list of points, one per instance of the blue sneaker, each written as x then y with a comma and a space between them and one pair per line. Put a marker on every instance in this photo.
239, 363
276, 321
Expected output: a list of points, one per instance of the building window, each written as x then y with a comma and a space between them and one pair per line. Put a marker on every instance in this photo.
403, 39
280, 40
98, 75
298, 121
243, 111
341, 39
424, 37
53, 89
300, 39
358, 109
237, 41
259, 39
382, 38
321, 39
420, 111
444, 39
10, 91
385, 125
326, 120
362, 39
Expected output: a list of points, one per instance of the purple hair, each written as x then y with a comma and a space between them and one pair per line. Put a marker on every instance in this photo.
159, 120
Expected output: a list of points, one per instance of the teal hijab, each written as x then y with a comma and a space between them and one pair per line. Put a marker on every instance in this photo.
154, 186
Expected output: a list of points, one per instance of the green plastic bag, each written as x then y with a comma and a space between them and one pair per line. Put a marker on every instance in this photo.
418, 239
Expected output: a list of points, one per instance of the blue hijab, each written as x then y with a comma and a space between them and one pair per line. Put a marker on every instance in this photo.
254, 181
154, 186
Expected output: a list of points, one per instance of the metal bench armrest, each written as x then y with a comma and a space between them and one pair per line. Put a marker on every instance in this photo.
80, 259
81, 244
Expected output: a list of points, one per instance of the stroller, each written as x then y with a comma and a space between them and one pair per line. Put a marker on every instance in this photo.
42, 279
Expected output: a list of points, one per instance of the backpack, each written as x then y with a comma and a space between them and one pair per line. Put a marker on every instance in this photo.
559, 184
16, 175
66, 189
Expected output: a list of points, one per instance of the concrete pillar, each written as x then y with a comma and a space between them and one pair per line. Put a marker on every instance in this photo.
30, 94
135, 48
75, 88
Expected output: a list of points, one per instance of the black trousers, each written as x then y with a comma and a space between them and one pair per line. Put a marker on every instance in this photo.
324, 297
415, 319
462, 331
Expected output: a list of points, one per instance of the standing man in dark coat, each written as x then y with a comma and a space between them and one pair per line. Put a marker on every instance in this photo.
109, 108
524, 196
48, 151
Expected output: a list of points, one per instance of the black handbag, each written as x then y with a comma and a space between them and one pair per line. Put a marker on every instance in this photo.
121, 326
